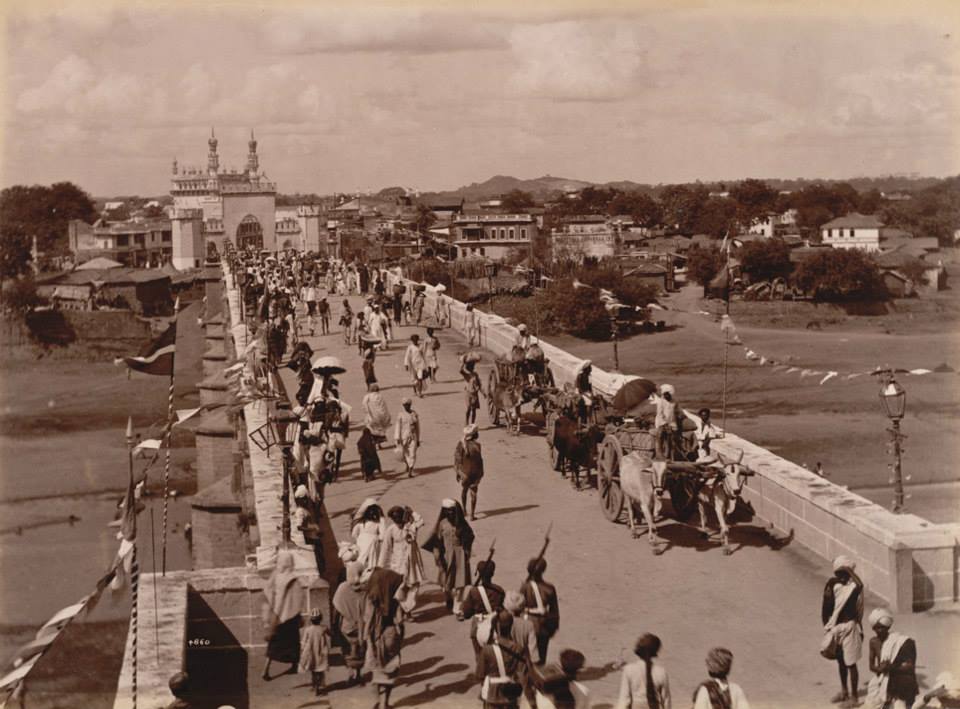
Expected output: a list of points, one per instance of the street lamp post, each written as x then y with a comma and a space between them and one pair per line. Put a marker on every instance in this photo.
615, 332
893, 398
284, 425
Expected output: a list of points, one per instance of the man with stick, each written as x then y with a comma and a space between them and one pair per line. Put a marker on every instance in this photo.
543, 606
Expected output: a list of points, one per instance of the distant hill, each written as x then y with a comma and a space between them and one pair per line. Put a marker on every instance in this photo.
549, 186
540, 187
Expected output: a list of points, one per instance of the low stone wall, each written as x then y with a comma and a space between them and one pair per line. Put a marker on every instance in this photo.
911, 563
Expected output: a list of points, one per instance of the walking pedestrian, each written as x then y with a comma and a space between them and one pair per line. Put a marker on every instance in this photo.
369, 359
468, 464
414, 363
451, 543
842, 618
406, 435
470, 326
400, 552
323, 309
473, 388
718, 692
481, 603
431, 345
369, 457
543, 606
644, 684
308, 294
501, 663
895, 665
376, 415
284, 604
346, 321
315, 651
349, 601
384, 632
368, 531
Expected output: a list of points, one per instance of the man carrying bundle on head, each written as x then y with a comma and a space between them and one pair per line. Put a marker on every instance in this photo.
842, 618
451, 543
481, 602
543, 606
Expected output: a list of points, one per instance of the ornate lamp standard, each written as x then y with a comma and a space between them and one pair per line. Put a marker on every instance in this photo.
285, 428
490, 268
893, 398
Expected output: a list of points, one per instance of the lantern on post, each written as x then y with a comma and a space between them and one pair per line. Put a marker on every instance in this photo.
893, 399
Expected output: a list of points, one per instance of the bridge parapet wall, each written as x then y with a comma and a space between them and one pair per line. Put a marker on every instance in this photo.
913, 564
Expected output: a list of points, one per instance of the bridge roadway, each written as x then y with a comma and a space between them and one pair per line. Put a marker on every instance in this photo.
762, 602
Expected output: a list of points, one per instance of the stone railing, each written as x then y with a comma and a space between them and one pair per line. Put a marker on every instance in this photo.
909, 562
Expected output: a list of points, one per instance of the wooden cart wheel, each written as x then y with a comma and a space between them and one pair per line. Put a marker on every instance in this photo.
492, 408
608, 467
551, 426
683, 489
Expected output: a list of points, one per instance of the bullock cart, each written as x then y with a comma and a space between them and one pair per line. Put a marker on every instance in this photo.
517, 379
681, 480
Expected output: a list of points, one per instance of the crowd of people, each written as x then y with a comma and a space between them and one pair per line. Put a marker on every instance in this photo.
509, 631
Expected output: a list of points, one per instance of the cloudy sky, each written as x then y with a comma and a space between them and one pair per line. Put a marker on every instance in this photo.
433, 96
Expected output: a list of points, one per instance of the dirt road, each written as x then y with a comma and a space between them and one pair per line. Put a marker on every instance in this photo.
762, 602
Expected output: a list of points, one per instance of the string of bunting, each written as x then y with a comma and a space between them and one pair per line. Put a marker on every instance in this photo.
732, 337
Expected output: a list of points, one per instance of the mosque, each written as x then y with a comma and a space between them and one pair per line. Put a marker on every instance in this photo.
214, 205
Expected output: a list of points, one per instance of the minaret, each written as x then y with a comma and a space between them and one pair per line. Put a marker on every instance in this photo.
175, 167
253, 162
213, 161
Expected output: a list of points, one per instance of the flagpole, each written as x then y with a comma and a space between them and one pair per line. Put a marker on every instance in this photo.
166, 461
156, 608
130, 500
726, 341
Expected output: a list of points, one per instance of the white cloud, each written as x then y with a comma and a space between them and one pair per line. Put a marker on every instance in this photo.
68, 80
378, 30
589, 61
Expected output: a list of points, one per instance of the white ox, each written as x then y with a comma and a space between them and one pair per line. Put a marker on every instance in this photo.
724, 480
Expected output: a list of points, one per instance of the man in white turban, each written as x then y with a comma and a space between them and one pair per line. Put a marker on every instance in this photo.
842, 617
895, 683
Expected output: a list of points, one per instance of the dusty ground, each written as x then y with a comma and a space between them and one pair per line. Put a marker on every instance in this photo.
762, 602
839, 424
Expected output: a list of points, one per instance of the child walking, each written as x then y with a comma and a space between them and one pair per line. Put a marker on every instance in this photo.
315, 651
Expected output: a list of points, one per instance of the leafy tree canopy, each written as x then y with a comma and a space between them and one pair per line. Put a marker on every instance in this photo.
41, 211
841, 275
765, 259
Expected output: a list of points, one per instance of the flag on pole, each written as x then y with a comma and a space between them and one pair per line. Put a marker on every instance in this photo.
155, 357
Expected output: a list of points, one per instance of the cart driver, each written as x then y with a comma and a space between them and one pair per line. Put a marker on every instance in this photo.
523, 338
584, 389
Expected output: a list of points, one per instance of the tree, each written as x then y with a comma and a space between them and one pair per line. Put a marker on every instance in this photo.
424, 218
44, 212
516, 200
682, 206
766, 259
717, 218
841, 275
703, 264
753, 199
643, 208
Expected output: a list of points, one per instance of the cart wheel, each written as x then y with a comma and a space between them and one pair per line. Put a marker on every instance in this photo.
492, 408
683, 491
608, 468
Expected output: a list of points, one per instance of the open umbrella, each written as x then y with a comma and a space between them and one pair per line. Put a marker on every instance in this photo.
327, 365
633, 394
